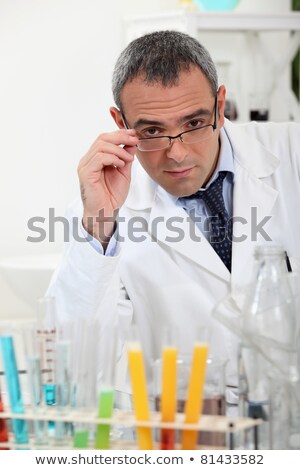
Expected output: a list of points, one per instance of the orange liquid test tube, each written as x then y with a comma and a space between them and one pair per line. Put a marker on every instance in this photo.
140, 398
193, 405
168, 396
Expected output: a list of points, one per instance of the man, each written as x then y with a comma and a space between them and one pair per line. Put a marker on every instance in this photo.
174, 260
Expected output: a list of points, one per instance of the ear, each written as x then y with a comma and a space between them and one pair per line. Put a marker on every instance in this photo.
117, 117
221, 104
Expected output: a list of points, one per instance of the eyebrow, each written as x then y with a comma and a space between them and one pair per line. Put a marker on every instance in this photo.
148, 122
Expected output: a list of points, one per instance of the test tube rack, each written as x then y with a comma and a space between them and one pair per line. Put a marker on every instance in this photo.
122, 418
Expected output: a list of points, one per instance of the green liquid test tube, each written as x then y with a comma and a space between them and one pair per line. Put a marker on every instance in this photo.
105, 410
81, 439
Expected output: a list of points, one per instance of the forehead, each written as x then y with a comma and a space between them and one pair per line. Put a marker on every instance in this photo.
144, 100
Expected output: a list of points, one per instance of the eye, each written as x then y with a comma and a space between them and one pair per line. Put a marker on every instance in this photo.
195, 123
151, 132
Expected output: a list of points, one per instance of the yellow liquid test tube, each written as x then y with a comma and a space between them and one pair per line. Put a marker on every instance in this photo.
168, 396
140, 398
193, 405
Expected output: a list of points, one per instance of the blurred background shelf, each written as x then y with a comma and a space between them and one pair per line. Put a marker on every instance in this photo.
226, 21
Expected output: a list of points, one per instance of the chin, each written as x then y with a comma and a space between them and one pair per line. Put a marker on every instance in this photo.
181, 187
180, 192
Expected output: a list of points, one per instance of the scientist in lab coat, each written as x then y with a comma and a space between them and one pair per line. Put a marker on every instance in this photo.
148, 255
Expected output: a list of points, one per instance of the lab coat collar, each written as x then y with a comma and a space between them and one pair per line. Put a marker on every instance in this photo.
248, 151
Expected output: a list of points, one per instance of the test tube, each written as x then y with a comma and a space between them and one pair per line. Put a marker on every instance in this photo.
63, 368
139, 389
107, 351
169, 382
3, 427
46, 321
13, 384
194, 400
84, 374
34, 376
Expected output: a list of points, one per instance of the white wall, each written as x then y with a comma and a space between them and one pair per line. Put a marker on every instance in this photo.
56, 61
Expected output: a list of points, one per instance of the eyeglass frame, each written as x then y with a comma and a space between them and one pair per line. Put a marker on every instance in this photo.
214, 126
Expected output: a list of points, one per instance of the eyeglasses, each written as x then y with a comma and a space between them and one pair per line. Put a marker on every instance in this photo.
192, 136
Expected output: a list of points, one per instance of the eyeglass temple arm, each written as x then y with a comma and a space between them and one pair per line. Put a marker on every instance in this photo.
216, 111
124, 120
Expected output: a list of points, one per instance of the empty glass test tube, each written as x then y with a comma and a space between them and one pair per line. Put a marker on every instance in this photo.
34, 377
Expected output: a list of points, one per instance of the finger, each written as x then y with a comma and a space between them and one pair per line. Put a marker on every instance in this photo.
119, 137
100, 145
106, 147
98, 162
126, 170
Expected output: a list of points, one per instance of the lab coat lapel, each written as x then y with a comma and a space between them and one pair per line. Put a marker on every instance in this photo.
254, 199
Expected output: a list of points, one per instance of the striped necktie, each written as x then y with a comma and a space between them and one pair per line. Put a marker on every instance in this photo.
220, 225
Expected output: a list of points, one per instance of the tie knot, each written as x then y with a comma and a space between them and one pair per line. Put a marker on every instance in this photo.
215, 186
213, 195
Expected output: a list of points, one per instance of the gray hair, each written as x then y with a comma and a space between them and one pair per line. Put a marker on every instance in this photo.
160, 57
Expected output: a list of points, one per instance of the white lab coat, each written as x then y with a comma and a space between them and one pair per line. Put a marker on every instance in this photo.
159, 281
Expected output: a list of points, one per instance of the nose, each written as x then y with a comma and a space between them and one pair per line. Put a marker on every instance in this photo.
177, 151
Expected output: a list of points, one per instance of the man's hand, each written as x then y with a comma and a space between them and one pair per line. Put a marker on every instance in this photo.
104, 175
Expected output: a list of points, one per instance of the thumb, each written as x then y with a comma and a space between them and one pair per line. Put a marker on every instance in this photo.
126, 170
130, 149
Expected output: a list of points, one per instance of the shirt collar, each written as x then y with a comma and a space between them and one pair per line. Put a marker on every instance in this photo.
225, 161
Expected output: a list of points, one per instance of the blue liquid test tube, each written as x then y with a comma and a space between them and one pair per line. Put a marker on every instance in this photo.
13, 387
46, 331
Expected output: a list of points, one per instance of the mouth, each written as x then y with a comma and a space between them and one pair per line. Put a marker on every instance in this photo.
180, 173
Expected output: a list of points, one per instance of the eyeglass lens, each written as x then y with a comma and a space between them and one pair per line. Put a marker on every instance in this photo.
190, 137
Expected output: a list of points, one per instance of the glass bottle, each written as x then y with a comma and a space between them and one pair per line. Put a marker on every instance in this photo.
269, 327
268, 312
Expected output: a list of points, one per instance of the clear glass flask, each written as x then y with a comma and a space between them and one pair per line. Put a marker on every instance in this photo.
269, 311
270, 331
